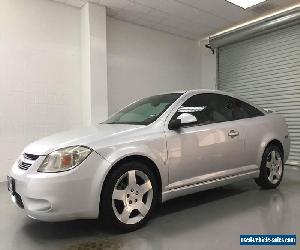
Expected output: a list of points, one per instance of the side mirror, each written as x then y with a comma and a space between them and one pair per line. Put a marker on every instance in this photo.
182, 119
174, 124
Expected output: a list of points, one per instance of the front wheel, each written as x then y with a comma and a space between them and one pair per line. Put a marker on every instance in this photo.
129, 196
271, 169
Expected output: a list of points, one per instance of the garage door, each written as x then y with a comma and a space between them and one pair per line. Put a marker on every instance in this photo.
266, 71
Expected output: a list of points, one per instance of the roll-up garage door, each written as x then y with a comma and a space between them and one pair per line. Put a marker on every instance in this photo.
266, 71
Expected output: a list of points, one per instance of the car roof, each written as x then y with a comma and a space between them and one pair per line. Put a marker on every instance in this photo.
200, 91
208, 91
215, 91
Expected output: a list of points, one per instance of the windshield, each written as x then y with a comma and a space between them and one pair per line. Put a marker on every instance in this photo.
144, 111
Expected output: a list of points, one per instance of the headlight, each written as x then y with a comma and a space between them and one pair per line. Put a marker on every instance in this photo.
64, 159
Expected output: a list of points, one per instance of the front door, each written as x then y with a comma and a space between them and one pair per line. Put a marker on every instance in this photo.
213, 144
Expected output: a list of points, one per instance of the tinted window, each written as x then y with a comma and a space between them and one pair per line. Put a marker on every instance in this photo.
243, 110
208, 108
144, 111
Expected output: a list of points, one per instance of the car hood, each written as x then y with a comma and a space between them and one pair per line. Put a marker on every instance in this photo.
88, 136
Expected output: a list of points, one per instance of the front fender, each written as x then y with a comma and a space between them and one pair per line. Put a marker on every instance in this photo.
157, 155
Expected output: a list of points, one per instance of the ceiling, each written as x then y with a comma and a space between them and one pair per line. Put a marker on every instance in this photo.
193, 19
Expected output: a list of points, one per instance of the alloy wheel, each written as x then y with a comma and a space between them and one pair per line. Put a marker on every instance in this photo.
274, 166
132, 197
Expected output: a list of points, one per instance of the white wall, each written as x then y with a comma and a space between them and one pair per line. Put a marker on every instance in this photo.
142, 62
39, 73
208, 66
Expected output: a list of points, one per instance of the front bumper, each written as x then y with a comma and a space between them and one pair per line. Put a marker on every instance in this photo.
68, 195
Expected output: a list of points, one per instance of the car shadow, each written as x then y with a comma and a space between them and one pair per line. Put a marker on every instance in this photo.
197, 199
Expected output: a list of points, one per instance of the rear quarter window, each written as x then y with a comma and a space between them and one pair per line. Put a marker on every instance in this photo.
242, 110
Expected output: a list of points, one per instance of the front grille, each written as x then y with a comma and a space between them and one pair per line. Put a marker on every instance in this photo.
19, 201
22, 164
31, 157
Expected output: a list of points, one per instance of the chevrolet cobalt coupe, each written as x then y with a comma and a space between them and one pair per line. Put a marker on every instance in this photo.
153, 150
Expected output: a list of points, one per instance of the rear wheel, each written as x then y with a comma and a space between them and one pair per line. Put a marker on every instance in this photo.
271, 169
129, 197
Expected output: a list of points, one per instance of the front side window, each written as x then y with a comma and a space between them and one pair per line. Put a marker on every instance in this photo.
207, 108
144, 111
214, 108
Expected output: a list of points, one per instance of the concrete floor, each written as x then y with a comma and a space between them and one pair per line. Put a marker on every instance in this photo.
212, 219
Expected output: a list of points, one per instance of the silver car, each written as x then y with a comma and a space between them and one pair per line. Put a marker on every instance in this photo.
153, 150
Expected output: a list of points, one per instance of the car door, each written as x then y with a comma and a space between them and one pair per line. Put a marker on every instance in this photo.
213, 144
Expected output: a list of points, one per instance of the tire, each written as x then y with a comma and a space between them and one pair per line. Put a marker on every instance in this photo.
271, 169
121, 196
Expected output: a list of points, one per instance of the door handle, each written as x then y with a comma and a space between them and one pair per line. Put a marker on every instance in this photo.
233, 133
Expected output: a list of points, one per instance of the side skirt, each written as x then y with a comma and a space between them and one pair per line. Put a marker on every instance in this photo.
207, 184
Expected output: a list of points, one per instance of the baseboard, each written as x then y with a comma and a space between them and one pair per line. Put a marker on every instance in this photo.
2, 178
294, 167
